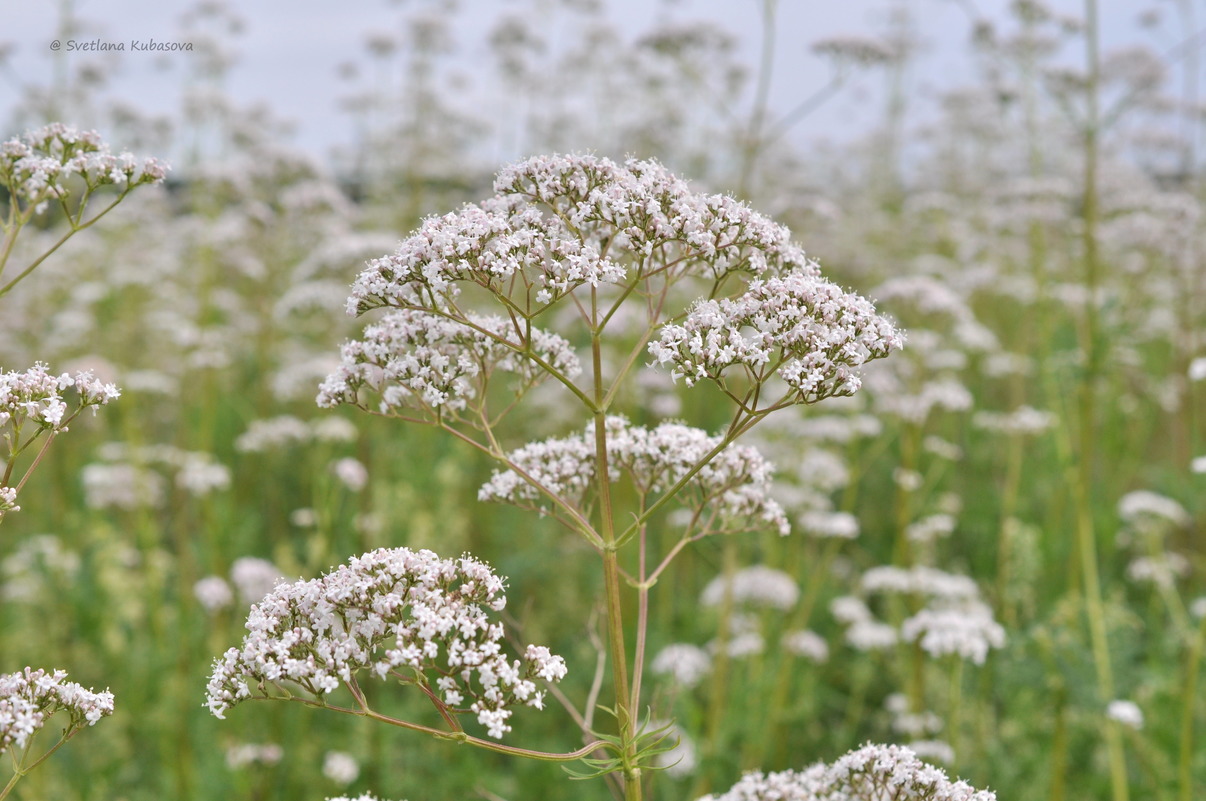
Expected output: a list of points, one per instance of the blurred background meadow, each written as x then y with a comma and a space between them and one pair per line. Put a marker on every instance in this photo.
1033, 219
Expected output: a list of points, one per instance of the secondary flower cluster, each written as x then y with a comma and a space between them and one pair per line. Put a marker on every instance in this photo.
871, 773
419, 359
40, 165
735, 483
37, 396
954, 621
391, 611
799, 326
492, 245
29, 698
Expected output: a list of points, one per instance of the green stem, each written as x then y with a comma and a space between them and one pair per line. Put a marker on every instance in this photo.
1188, 708
63, 239
611, 572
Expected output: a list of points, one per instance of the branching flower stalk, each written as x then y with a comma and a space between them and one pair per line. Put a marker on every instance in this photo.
1082, 470
41, 168
612, 244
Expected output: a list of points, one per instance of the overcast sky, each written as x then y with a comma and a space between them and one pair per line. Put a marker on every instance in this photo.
290, 50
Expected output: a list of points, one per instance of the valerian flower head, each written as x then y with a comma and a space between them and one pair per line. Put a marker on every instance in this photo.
390, 612
684, 663
870, 773
29, 698
1127, 713
421, 360
798, 326
560, 223
757, 585
735, 483
550, 224
36, 396
40, 165
965, 629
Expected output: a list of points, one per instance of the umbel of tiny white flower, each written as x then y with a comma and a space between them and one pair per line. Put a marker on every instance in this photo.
31, 697
395, 613
40, 166
558, 223
799, 327
36, 395
36, 403
548, 227
870, 773
424, 361
735, 484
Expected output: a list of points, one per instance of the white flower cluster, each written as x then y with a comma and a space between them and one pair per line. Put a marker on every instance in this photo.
736, 481
1127, 713
954, 621
758, 585
252, 577
919, 580
836, 525
340, 767
1141, 505
930, 528
283, 430
642, 209
684, 663
864, 632
415, 358
121, 486
1024, 420
8, 500
36, 395
871, 773
387, 610
29, 698
803, 328
494, 244
41, 164
244, 754
966, 630
806, 643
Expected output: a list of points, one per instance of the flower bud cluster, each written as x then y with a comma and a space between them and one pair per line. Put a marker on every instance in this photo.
29, 698
40, 164
395, 612
803, 328
870, 772
414, 358
736, 482
8, 500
